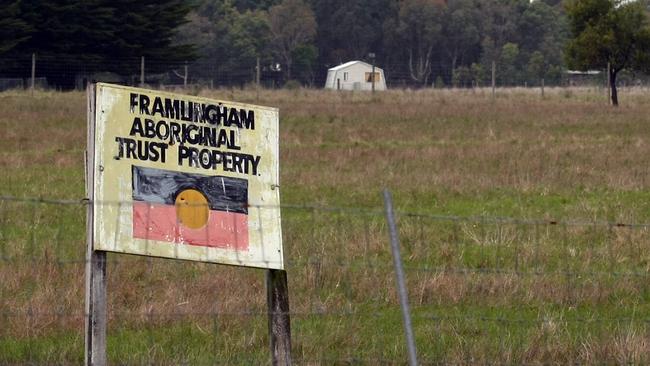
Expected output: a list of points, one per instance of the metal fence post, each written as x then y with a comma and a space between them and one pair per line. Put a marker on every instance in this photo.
399, 274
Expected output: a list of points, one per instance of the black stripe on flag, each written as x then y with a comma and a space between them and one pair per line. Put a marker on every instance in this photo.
162, 186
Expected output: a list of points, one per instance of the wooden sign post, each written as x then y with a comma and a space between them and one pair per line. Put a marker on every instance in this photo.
95, 338
279, 322
182, 177
95, 350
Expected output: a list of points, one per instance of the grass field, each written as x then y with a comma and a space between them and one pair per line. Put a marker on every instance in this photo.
562, 282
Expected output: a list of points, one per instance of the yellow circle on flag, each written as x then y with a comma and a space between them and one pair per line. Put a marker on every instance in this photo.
192, 208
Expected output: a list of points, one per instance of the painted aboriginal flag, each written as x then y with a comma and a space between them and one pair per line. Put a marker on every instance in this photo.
190, 208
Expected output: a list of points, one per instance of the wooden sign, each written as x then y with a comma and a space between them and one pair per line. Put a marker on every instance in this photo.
185, 177
182, 177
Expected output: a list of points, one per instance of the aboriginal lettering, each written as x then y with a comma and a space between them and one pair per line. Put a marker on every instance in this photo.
174, 132
189, 111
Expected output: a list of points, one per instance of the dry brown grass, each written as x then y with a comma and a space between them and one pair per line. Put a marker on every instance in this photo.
447, 152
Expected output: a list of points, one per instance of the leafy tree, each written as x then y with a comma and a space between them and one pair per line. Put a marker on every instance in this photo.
201, 31
292, 25
462, 77
499, 27
537, 66
461, 32
304, 59
509, 56
229, 41
478, 73
537, 22
251, 37
613, 32
419, 28
543, 35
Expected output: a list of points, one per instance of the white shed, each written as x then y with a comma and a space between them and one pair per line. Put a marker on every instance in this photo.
354, 75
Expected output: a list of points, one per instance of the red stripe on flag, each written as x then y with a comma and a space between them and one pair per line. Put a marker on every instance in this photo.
159, 222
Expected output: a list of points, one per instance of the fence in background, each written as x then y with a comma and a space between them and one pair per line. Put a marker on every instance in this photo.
70, 74
485, 290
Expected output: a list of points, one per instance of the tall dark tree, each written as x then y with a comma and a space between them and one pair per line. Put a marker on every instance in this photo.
67, 36
77, 37
358, 28
147, 28
613, 32
329, 51
14, 30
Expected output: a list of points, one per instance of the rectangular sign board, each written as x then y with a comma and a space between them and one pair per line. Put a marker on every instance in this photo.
184, 177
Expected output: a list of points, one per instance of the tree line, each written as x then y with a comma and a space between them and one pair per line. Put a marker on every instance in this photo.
419, 42
423, 42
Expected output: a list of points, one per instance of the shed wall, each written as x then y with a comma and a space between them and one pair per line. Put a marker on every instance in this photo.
353, 77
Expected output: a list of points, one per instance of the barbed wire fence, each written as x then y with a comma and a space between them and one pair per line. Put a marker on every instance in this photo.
53, 73
488, 290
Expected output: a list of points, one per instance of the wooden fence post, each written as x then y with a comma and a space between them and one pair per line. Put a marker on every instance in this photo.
279, 320
95, 352
142, 71
33, 72
494, 81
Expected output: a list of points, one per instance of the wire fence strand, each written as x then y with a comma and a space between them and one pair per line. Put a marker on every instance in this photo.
482, 289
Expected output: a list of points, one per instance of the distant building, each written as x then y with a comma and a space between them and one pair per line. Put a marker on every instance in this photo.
583, 78
354, 75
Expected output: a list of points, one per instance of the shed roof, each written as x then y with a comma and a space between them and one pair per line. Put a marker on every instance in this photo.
350, 63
